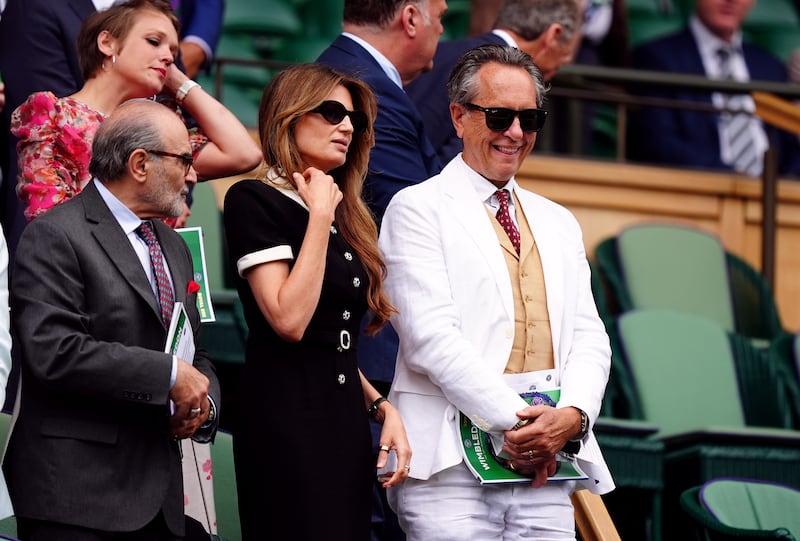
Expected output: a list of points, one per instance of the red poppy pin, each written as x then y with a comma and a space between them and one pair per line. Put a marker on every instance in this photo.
193, 287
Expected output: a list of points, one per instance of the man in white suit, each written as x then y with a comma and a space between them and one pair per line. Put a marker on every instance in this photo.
483, 292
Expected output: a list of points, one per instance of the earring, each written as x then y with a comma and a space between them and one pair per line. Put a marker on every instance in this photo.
113, 59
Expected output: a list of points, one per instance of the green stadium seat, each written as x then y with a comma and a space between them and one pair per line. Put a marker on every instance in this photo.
683, 371
743, 509
264, 17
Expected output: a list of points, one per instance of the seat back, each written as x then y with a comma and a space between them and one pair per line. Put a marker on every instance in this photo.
676, 267
756, 311
753, 505
226, 497
682, 368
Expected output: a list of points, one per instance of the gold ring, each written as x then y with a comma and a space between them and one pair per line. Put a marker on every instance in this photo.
530, 453
511, 465
384, 448
195, 411
407, 468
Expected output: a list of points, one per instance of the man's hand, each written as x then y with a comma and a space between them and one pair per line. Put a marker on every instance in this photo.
193, 57
190, 394
545, 436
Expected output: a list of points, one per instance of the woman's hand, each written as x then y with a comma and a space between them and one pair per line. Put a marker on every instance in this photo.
319, 192
393, 437
175, 78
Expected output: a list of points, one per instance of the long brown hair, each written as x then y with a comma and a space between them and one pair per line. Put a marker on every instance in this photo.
293, 93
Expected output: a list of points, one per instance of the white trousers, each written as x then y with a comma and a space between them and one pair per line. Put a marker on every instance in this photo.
453, 506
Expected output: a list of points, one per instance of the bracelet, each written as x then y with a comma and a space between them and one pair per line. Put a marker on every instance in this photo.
520, 424
373, 408
184, 89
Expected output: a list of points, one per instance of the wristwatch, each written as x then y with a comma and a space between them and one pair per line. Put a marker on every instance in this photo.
373, 408
211, 414
584, 425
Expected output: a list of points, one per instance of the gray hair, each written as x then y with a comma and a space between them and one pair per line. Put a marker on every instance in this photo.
464, 84
530, 18
120, 135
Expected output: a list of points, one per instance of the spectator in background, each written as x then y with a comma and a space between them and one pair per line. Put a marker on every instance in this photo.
201, 26
490, 279
482, 14
548, 30
126, 51
793, 66
710, 45
388, 44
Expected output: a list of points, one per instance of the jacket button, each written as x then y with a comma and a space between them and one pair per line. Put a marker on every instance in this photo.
341, 379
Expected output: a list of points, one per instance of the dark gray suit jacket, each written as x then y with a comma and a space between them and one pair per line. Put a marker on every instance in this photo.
92, 445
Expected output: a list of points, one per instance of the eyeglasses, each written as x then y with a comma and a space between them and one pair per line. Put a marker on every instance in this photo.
500, 118
187, 159
334, 112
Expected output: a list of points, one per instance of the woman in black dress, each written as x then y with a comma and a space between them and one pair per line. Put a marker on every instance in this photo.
305, 248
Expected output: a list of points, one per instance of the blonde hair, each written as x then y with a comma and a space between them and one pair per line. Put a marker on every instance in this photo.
295, 92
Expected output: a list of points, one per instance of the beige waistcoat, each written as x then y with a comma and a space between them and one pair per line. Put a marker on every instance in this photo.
533, 343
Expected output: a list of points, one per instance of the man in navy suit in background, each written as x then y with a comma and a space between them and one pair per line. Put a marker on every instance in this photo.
548, 30
387, 44
697, 139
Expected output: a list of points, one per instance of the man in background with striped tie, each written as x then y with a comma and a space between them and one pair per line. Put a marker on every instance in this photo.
734, 139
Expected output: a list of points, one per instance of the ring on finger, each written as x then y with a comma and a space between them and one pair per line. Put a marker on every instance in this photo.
511, 465
384, 448
407, 468
530, 454
195, 411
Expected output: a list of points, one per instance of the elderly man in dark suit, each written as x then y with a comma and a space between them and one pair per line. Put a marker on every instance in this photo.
94, 454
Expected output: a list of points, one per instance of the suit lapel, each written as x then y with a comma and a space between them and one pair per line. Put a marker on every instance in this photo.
115, 244
471, 213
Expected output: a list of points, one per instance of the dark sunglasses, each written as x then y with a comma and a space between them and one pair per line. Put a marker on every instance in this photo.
334, 112
187, 159
500, 118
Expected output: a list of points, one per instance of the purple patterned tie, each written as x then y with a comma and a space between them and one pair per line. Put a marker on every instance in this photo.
504, 217
166, 299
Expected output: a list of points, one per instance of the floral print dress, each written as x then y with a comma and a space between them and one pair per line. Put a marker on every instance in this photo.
55, 146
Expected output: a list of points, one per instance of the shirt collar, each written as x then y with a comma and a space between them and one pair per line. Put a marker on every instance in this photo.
282, 184
387, 67
505, 36
709, 43
483, 187
124, 216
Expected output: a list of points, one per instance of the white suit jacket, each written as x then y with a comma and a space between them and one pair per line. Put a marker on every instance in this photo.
447, 277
